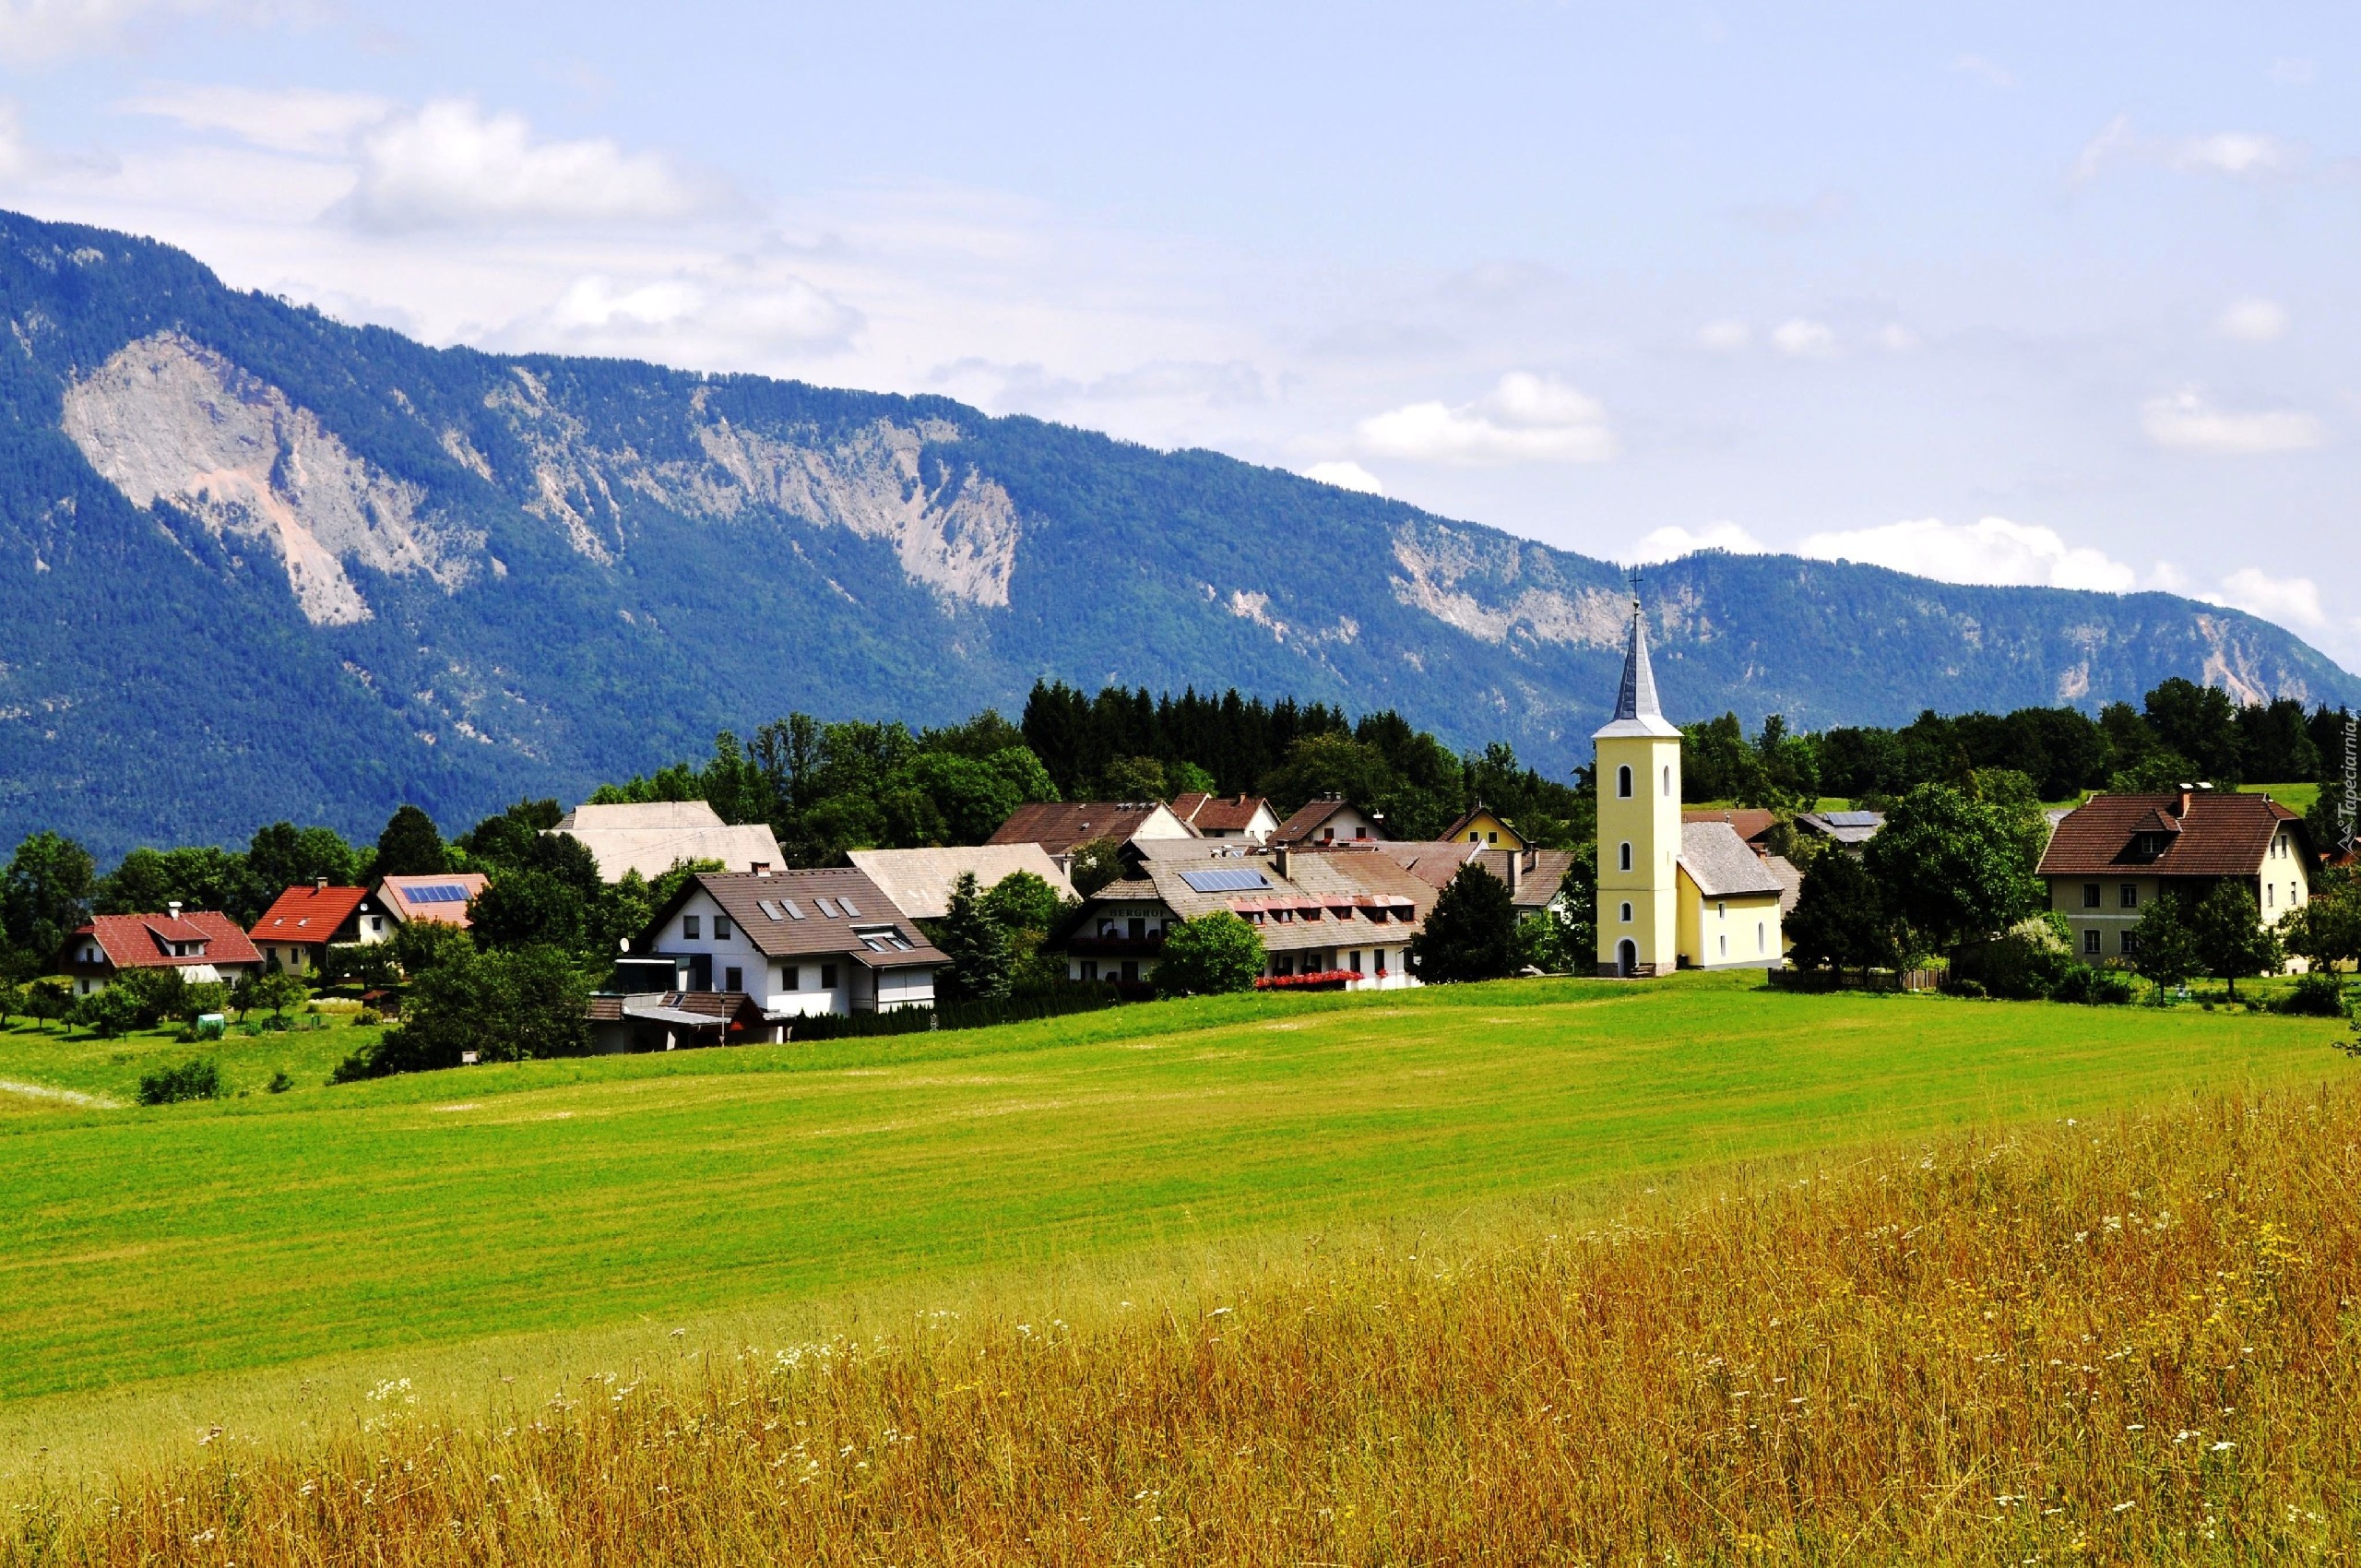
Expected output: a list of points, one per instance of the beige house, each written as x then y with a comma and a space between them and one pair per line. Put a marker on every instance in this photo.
1332, 819
1216, 817
2110, 857
653, 838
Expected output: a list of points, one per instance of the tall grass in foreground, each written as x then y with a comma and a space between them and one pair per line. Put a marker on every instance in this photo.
2134, 1342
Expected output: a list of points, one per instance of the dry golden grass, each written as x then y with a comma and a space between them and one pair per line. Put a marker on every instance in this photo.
2132, 1342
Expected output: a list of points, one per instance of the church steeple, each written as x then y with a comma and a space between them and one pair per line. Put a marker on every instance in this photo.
1637, 697
1637, 711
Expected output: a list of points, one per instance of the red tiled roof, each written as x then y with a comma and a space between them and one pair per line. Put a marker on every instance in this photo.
1059, 826
308, 913
139, 941
2222, 834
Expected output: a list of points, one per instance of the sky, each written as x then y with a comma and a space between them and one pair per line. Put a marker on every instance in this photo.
2020, 293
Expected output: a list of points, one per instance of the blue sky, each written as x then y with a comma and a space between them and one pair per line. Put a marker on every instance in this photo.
2020, 293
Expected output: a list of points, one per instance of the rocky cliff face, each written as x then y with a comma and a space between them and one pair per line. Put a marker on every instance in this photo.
255, 564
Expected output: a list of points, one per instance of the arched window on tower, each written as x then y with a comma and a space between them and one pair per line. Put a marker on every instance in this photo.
1627, 856
1624, 781
1668, 781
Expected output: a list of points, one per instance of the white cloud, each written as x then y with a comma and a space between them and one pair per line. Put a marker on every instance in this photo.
751, 301
16, 156
451, 164
1345, 476
2253, 321
305, 120
1984, 70
1672, 542
2244, 154
1804, 339
39, 31
1525, 418
1991, 551
2291, 601
1726, 337
2186, 422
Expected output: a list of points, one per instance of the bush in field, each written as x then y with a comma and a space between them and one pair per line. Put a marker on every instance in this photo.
2319, 994
1842, 919
1206, 956
1954, 865
371, 964
107, 1011
1471, 933
516, 1005
2027, 964
199, 1079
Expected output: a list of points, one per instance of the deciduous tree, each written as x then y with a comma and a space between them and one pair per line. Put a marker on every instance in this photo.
2231, 942
1212, 954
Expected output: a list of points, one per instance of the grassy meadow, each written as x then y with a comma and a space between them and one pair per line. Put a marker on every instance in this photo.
383, 1224
2127, 1338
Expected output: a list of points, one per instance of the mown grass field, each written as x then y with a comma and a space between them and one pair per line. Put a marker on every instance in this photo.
140, 1245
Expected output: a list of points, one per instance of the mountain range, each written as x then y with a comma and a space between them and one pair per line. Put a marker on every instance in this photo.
257, 564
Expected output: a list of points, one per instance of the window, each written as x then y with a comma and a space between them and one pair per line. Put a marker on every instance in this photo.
1491, 838
1360, 832
1327, 836
1474, 836
1137, 930
1131, 971
1090, 968
1721, 911
1726, 945
2091, 942
2270, 895
734, 978
376, 923
1626, 853
2127, 896
1668, 781
690, 927
1760, 941
2090, 896
827, 977
790, 978
1380, 963
720, 926
1627, 914
2131, 943
1623, 782
1356, 965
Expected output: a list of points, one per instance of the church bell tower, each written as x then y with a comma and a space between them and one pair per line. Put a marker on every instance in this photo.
1639, 821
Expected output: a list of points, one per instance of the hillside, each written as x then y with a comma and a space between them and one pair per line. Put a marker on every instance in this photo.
256, 564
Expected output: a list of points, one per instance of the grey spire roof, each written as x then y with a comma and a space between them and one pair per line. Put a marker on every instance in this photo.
1637, 711
1637, 697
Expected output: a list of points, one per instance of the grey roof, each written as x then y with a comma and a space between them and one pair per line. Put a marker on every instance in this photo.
1844, 827
764, 906
1791, 881
1637, 712
1721, 865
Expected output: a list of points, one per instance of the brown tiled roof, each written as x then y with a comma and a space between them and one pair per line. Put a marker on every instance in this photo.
1309, 818
765, 906
139, 941
1217, 813
1059, 826
2222, 833
395, 891
1540, 872
309, 913
1339, 899
1750, 821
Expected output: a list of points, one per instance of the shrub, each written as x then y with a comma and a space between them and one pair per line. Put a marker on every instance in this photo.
1213, 953
2096, 988
280, 1082
367, 1017
2027, 964
1972, 988
199, 1079
2315, 995
108, 1011
509, 1005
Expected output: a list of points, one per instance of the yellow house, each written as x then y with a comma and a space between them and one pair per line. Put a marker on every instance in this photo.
1481, 827
1670, 894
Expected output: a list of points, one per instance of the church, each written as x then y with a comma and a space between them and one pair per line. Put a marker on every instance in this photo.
1671, 895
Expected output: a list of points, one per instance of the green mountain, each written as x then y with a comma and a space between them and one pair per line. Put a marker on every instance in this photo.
257, 564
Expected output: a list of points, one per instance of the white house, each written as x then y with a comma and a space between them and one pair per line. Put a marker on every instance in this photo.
1248, 818
797, 941
653, 838
1332, 819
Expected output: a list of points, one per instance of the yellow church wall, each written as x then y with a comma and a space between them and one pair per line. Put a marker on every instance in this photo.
1732, 933
1649, 820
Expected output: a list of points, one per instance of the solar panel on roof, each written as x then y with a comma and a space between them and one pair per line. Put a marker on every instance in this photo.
436, 893
1852, 819
1226, 879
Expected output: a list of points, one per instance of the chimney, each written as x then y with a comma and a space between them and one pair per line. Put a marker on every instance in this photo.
1513, 859
762, 868
172, 909
1279, 859
2186, 790
319, 885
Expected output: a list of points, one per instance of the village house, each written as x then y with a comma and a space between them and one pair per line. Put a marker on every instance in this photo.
653, 836
1347, 915
1482, 825
1671, 893
1331, 819
676, 1020
441, 898
1845, 830
797, 941
1213, 816
1062, 826
2110, 857
294, 933
920, 881
202, 945
1536, 878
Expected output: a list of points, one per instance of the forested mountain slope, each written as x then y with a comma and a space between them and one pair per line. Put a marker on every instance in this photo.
256, 564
